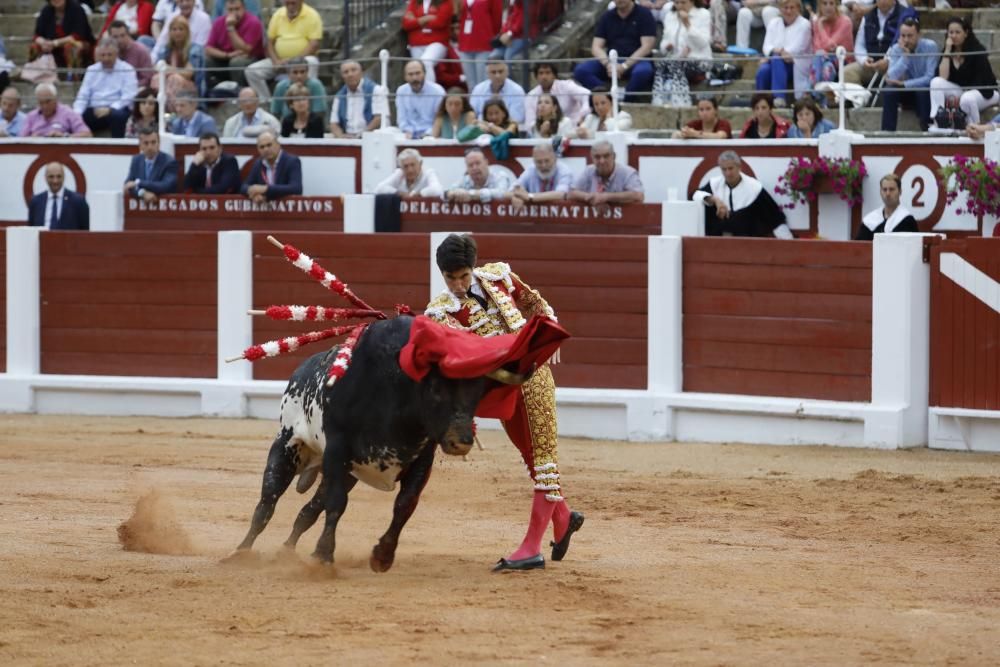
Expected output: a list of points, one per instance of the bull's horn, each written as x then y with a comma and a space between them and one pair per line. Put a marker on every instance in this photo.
508, 377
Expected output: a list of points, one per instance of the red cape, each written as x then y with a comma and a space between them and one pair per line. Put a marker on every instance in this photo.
460, 354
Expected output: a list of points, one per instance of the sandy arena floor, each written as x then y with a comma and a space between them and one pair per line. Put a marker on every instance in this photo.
691, 554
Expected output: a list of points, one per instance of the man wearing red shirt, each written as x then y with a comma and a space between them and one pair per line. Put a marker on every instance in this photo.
236, 41
427, 24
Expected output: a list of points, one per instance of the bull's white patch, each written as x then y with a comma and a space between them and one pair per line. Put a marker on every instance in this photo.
380, 474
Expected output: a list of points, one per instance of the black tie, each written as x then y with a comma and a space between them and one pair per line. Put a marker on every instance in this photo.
55, 212
480, 300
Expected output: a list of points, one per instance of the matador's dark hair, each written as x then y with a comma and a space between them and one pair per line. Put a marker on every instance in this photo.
458, 251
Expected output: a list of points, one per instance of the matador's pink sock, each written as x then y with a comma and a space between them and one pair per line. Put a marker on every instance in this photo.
560, 520
541, 515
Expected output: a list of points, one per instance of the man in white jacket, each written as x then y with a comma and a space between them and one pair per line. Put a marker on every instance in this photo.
411, 179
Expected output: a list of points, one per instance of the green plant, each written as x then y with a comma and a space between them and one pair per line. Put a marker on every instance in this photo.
980, 179
798, 181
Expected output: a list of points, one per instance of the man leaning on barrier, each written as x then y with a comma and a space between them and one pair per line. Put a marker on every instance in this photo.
275, 174
738, 205
606, 181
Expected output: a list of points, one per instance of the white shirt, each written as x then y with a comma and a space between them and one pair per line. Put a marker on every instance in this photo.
164, 8
427, 185
356, 123
200, 24
129, 16
574, 100
697, 36
55, 200
796, 39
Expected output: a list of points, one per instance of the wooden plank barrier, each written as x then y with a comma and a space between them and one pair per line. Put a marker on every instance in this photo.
767, 318
3, 302
965, 331
213, 213
138, 303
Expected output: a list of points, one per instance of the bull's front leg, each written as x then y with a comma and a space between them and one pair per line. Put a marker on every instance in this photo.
278, 474
411, 486
339, 482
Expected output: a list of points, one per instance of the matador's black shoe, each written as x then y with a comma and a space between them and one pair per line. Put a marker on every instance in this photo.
535, 562
560, 548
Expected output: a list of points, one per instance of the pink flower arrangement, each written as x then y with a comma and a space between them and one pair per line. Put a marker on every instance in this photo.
798, 182
980, 179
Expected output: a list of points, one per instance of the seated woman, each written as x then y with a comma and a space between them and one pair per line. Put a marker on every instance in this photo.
137, 15
300, 121
809, 121
177, 54
600, 119
786, 47
63, 30
890, 217
550, 121
970, 77
830, 29
496, 119
763, 124
707, 125
145, 113
454, 114
688, 53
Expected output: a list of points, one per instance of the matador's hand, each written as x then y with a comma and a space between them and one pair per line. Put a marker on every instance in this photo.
554, 359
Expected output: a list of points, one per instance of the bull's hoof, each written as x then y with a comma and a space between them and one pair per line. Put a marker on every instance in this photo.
381, 559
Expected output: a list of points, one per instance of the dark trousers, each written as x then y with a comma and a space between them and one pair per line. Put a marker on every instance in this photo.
116, 120
592, 73
892, 97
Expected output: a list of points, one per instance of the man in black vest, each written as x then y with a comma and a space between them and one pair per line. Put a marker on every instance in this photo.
877, 32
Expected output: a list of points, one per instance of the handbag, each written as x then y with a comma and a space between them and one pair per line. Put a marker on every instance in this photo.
40, 70
951, 116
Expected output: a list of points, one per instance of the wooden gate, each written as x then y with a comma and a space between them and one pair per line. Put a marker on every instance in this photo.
965, 324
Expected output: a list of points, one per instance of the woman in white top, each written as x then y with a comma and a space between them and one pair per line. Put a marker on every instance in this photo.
687, 47
787, 47
549, 120
601, 120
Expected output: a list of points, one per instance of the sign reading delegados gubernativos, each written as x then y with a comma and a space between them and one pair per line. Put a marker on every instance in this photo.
209, 204
529, 213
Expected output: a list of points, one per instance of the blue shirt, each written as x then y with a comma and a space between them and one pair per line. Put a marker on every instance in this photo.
561, 180
511, 93
199, 123
14, 125
415, 112
623, 34
115, 88
822, 127
915, 69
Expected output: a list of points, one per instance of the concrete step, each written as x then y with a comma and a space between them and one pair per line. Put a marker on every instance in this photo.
66, 92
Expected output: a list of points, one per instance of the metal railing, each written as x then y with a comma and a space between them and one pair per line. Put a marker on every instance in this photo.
361, 16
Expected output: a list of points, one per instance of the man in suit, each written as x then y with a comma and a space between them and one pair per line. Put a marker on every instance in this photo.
212, 172
151, 173
58, 208
275, 174
189, 120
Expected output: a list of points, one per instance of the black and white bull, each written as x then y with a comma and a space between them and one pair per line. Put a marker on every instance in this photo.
375, 425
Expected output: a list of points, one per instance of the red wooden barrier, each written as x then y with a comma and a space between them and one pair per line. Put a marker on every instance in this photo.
213, 213
965, 331
768, 318
139, 303
3, 302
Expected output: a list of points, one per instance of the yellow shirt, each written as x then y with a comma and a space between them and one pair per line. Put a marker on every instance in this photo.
290, 38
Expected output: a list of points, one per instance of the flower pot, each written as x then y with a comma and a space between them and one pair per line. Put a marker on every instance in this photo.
823, 184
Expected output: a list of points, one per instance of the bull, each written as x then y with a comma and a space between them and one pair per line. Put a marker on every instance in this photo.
376, 425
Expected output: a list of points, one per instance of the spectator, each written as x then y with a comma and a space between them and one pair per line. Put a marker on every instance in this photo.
630, 30
605, 181
412, 179
877, 32
199, 26
358, 105
809, 121
236, 41
830, 29
428, 26
212, 172
152, 172
448, 73
298, 73
189, 121
164, 10
763, 124
52, 119
275, 174
479, 22
132, 52
58, 208
978, 131
417, 101
890, 217
968, 77
481, 181
707, 125
510, 42
786, 45
136, 15
295, 31
551, 122
300, 122
754, 14
182, 59
912, 65
108, 88
145, 113
738, 205
498, 85
687, 50
252, 6
546, 179
62, 29
496, 119
251, 120
601, 120
454, 114
657, 8
573, 98
12, 119
722, 13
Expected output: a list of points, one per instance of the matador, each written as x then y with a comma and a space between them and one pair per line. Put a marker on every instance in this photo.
488, 301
